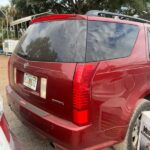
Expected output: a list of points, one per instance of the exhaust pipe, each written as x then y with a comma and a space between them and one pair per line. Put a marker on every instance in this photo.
53, 145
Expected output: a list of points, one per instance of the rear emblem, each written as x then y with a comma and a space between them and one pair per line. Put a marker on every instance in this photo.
26, 65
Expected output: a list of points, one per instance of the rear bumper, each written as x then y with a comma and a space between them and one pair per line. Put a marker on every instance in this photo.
64, 134
58, 130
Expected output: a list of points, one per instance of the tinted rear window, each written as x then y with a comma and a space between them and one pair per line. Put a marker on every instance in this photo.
56, 41
77, 41
107, 40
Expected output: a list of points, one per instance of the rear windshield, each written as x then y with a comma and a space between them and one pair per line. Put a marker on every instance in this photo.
56, 41
77, 41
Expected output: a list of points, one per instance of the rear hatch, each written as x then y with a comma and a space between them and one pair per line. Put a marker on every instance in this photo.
44, 62
54, 64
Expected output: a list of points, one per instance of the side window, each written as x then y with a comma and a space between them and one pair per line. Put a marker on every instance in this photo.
108, 40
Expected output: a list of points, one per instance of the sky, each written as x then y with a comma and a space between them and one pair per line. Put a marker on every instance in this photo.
4, 2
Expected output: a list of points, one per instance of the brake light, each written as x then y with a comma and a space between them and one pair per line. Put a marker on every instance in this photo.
43, 88
81, 92
4, 126
81, 117
3, 122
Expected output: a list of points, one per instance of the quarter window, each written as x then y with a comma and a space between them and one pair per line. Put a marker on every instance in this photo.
107, 40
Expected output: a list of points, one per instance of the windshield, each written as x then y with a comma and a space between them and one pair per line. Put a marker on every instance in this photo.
77, 41
56, 41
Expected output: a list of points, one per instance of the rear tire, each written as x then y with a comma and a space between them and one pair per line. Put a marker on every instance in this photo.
131, 140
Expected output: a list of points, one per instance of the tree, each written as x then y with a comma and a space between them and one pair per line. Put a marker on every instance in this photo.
7, 15
29, 7
12, 12
22, 8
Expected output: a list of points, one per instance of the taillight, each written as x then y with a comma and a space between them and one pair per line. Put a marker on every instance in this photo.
4, 126
43, 88
81, 92
3, 122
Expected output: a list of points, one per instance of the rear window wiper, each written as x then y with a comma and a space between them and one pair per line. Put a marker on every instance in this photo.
23, 54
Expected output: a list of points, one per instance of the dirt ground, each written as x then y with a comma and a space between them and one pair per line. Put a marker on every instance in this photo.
29, 139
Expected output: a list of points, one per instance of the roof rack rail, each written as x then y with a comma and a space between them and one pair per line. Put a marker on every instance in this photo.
41, 14
120, 16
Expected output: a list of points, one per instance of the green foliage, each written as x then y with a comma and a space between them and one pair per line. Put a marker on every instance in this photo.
23, 9
29, 7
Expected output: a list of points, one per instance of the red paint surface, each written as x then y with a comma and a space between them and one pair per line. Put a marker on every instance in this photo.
4, 126
115, 89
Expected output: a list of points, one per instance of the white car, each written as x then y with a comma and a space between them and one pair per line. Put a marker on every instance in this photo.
7, 139
9, 46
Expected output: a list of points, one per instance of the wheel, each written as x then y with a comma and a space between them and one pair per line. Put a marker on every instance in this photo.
131, 140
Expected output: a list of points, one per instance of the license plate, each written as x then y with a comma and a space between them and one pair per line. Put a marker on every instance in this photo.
30, 81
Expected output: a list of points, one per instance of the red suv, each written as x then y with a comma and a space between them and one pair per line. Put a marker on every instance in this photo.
82, 80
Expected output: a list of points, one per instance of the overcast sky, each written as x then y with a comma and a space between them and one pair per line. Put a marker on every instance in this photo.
4, 2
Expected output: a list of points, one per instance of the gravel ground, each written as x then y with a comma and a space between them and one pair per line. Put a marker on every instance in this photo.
29, 139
